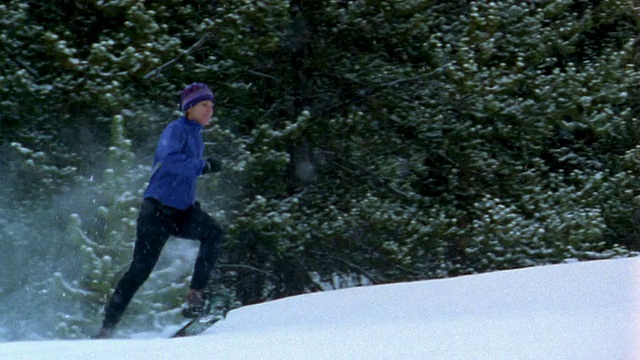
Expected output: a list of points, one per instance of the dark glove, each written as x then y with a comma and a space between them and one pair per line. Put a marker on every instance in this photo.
212, 165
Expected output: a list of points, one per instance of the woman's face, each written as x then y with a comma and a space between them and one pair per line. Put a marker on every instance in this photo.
201, 112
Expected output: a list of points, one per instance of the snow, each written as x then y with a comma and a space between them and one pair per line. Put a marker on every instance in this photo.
588, 310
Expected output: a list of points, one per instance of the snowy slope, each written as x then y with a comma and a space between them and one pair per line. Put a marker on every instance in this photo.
573, 311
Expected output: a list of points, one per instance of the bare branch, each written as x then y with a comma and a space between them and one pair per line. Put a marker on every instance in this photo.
28, 68
248, 267
373, 278
169, 63
253, 72
356, 170
371, 90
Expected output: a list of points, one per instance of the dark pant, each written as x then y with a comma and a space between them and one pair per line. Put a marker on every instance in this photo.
156, 223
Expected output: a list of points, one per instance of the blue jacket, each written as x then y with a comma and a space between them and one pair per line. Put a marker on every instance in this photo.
177, 164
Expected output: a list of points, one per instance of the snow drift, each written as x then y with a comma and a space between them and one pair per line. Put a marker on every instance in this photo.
585, 310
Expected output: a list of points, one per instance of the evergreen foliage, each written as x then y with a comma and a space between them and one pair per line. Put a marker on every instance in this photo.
364, 141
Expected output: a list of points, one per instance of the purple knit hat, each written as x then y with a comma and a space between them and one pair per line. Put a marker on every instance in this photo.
193, 94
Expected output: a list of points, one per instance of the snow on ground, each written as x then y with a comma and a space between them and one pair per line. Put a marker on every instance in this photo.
587, 310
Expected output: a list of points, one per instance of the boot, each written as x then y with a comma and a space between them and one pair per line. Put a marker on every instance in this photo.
196, 304
104, 333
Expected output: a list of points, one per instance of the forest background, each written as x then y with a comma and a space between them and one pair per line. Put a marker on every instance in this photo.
363, 142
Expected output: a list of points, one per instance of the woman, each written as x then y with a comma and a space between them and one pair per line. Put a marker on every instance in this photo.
170, 208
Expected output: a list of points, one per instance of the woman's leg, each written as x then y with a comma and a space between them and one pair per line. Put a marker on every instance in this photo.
152, 235
200, 226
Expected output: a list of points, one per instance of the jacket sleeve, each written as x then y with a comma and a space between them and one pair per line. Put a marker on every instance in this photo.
171, 156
